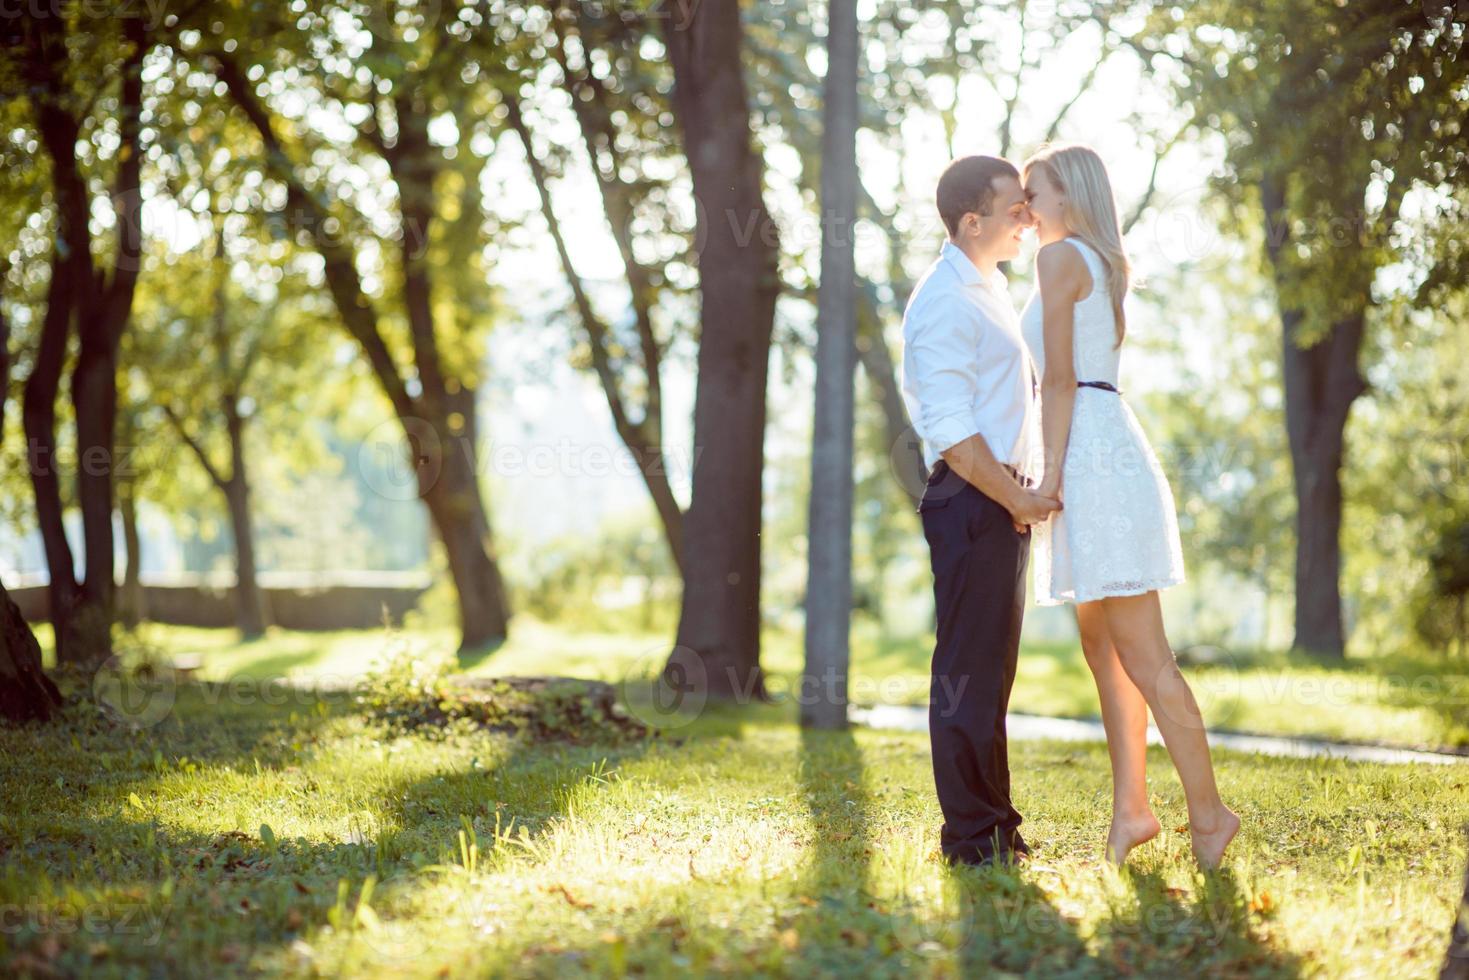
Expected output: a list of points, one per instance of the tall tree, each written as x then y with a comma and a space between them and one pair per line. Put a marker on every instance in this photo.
829, 575
1332, 115
89, 290
225, 347
718, 642
387, 77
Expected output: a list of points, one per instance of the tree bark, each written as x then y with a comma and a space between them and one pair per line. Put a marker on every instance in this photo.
1321, 382
823, 701
718, 642
449, 486
130, 603
38, 415
250, 614
26, 693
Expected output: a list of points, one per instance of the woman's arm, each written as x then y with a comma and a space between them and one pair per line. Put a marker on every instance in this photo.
1063, 279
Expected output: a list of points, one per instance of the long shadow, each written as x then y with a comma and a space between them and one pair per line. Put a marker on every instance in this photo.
833, 921
837, 911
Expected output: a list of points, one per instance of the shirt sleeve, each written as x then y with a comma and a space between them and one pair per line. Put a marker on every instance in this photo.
941, 369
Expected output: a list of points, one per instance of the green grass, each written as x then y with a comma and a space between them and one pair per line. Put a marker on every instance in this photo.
1420, 701
238, 836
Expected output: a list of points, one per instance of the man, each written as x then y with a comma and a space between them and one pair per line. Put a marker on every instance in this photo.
970, 390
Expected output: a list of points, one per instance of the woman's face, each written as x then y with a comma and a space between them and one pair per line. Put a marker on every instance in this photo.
1047, 205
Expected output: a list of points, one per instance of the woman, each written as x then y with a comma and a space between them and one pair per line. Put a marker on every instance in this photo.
1114, 543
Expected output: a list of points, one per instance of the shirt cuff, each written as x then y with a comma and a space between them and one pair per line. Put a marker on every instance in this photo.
950, 431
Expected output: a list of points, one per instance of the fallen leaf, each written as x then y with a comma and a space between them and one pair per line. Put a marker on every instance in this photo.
570, 898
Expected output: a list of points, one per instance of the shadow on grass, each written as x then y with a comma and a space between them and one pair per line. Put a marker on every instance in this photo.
246, 903
91, 877
1439, 686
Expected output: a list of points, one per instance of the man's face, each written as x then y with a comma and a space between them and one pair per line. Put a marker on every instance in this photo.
998, 233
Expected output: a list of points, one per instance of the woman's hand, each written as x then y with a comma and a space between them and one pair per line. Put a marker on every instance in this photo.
1050, 485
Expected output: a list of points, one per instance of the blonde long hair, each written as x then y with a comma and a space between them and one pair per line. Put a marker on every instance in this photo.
1090, 211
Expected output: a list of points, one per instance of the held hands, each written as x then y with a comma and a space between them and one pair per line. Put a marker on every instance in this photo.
1033, 507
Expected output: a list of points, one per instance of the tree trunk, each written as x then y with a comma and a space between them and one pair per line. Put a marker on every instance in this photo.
1456, 963
823, 701
446, 404
450, 489
101, 301
130, 602
26, 693
249, 602
42, 387
718, 642
38, 414
94, 401
1321, 382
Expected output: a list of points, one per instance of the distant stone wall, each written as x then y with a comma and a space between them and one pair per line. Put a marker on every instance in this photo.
352, 601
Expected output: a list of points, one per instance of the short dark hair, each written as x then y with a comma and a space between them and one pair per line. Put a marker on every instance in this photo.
967, 185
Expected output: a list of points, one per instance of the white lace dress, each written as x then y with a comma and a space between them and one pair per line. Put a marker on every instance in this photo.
1117, 531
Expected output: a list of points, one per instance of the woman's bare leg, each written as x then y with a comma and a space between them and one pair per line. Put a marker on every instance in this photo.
1135, 623
1125, 717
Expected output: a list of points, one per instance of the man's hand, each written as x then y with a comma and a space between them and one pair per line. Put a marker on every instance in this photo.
1030, 507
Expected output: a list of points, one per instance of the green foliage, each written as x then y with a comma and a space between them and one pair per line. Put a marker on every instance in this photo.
1407, 481
1351, 109
620, 577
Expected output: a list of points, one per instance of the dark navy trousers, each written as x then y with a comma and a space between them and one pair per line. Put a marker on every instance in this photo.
979, 563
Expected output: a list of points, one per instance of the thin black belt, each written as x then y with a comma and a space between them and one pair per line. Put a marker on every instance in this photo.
1097, 384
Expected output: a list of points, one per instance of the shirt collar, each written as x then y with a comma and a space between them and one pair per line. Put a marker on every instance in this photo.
969, 274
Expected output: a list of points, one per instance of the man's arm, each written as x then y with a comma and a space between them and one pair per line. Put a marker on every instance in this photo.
940, 367
973, 460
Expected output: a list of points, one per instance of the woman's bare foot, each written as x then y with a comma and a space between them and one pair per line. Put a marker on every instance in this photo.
1125, 834
1210, 842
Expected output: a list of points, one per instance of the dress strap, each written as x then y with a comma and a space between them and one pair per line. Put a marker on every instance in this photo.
1094, 263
